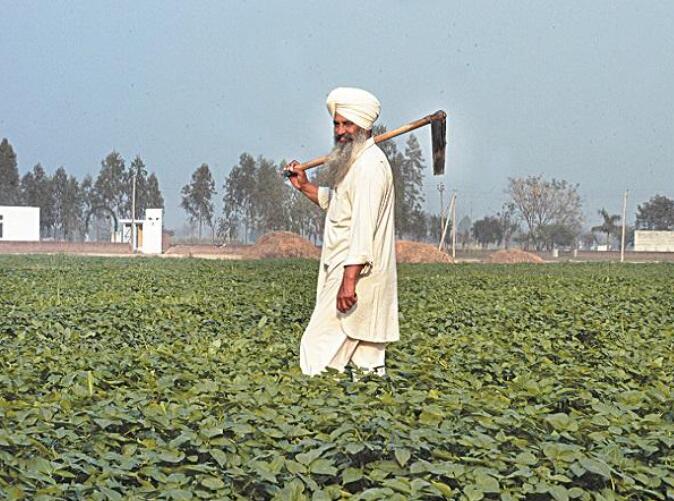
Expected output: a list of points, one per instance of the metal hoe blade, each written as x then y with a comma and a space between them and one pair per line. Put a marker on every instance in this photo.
438, 145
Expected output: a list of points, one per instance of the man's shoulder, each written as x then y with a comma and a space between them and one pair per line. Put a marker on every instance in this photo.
374, 158
373, 164
377, 154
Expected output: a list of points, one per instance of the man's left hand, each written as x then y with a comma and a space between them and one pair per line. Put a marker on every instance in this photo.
346, 297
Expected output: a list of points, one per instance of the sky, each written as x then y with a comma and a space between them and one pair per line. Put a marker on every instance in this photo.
577, 90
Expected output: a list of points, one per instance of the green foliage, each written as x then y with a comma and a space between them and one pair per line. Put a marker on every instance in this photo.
178, 379
148, 194
488, 230
111, 186
197, 197
656, 214
67, 204
10, 193
36, 191
609, 225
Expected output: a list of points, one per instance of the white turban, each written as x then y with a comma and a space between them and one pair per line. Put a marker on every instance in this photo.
356, 105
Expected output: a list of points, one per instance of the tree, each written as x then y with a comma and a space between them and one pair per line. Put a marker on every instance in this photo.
397, 160
67, 204
656, 214
556, 235
463, 231
607, 226
197, 197
413, 164
488, 230
154, 198
36, 191
138, 170
10, 193
434, 229
540, 203
239, 203
271, 197
148, 194
111, 185
509, 223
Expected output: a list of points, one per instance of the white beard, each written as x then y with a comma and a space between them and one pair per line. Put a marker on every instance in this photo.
342, 157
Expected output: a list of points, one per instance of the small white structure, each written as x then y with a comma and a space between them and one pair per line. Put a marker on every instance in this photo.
19, 224
147, 232
653, 241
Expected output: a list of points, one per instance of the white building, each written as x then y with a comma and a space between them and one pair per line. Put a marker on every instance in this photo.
653, 241
148, 232
19, 224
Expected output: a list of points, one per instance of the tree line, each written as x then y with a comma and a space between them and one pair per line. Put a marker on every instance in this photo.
538, 213
544, 214
256, 198
71, 209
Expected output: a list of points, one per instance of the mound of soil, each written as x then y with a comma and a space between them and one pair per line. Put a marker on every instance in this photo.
512, 256
283, 244
417, 252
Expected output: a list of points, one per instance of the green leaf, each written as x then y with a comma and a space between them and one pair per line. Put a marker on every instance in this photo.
526, 458
172, 456
307, 458
559, 492
486, 483
351, 475
212, 483
219, 456
472, 492
294, 467
323, 467
402, 456
354, 448
596, 466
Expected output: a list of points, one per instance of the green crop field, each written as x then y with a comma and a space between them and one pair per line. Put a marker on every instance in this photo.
178, 379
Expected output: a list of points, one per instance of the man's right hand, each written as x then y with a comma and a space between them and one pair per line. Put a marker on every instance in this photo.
298, 178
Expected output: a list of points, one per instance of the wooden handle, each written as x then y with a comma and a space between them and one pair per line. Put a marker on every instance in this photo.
437, 116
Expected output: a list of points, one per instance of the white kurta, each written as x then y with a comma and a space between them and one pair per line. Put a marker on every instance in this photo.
359, 229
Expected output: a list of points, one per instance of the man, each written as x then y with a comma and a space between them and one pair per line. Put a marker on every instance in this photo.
356, 312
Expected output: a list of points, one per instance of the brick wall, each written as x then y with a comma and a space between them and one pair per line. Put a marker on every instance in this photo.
64, 247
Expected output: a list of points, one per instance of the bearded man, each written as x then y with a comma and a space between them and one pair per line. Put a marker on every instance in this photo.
356, 312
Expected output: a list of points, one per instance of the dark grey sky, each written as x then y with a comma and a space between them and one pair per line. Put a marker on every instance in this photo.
578, 90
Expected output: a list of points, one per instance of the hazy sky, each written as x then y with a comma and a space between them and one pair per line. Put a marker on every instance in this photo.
578, 90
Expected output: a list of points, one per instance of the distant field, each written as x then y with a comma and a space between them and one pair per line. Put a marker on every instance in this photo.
178, 379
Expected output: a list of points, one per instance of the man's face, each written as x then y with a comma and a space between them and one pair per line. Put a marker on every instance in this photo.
345, 130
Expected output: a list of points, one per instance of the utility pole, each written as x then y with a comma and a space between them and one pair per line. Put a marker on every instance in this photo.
133, 215
441, 189
622, 238
443, 234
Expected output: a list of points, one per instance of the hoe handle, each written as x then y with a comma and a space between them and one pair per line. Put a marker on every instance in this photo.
437, 116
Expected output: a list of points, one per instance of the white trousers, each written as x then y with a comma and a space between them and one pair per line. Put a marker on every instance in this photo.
324, 344
318, 353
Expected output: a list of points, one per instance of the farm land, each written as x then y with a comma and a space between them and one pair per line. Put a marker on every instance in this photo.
178, 379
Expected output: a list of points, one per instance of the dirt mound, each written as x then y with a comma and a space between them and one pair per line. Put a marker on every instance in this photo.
512, 256
417, 252
283, 244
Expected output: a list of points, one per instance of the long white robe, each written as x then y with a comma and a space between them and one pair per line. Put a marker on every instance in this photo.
359, 229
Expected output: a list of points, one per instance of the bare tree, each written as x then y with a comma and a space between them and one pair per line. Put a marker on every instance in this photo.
541, 203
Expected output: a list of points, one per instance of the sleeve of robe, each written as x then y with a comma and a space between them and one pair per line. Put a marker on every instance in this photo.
368, 195
323, 197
